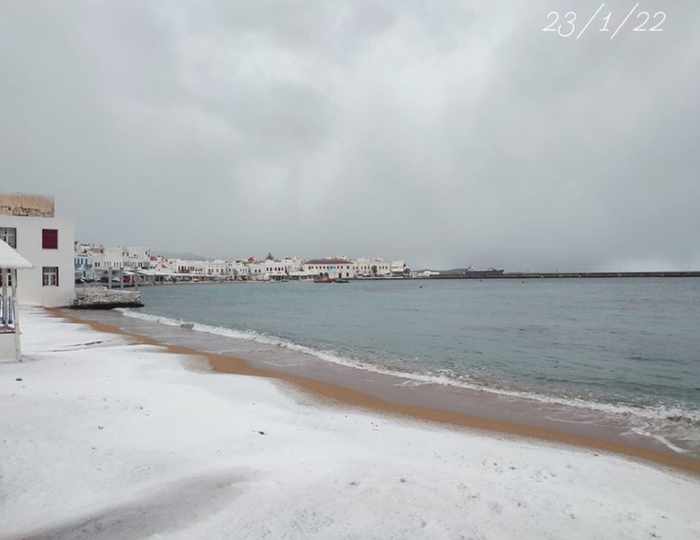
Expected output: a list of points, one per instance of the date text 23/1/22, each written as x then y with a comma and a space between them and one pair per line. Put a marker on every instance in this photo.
606, 21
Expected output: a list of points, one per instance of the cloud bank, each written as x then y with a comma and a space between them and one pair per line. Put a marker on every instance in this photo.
449, 134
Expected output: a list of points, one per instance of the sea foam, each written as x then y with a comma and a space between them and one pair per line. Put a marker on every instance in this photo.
646, 421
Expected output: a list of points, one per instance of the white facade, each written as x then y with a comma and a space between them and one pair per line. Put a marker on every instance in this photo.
372, 267
136, 257
398, 268
102, 259
51, 281
257, 271
164, 265
237, 269
293, 264
195, 268
276, 269
105, 259
217, 268
330, 268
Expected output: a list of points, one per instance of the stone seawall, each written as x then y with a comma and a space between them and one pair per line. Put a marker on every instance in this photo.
104, 298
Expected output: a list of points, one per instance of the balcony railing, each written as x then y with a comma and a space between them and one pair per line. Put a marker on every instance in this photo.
8, 314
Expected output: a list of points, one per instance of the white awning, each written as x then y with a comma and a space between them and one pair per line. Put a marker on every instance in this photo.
9, 258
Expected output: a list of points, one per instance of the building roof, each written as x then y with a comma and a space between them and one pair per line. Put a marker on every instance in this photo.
328, 261
9, 258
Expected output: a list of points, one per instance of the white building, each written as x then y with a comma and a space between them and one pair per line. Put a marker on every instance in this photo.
114, 258
160, 269
28, 224
332, 268
136, 257
257, 271
163, 265
216, 268
105, 259
374, 267
237, 269
190, 267
293, 264
399, 268
274, 269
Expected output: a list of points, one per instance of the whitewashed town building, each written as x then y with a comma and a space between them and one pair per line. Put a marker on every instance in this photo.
399, 269
136, 258
374, 267
331, 268
28, 224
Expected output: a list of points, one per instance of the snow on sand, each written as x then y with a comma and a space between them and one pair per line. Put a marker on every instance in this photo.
103, 439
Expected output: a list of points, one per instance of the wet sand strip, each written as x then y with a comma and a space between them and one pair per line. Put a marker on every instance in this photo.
373, 392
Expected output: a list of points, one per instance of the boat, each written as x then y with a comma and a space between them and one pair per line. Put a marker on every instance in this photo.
323, 278
326, 279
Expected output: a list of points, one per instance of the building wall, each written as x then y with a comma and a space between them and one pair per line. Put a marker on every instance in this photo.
398, 268
137, 257
372, 267
333, 270
30, 290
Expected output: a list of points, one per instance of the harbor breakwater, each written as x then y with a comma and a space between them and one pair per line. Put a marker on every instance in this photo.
569, 275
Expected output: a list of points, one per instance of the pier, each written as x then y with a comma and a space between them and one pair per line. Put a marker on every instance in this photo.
567, 275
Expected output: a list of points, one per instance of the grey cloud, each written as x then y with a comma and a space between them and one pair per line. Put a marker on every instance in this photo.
446, 133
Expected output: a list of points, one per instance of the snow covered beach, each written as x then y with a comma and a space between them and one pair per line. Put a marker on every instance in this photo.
103, 438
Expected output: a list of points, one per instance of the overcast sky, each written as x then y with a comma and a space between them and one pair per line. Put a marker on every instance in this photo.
444, 132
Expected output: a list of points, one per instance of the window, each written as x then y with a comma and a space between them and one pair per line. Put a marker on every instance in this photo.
49, 276
9, 236
49, 238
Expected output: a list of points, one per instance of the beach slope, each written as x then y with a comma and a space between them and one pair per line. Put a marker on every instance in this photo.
101, 438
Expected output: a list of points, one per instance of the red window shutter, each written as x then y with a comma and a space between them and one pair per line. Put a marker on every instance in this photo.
49, 238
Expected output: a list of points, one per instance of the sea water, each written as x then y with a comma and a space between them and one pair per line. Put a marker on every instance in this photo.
630, 345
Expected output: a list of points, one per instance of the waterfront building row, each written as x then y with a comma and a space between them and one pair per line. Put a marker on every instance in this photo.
29, 225
97, 263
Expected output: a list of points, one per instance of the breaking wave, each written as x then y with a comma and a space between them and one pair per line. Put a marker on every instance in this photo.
644, 420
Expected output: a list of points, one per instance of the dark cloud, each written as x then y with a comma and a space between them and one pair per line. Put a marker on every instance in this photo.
446, 133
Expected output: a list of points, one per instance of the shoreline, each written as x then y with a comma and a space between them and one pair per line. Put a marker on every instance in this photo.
338, 395
106, 438
205, 280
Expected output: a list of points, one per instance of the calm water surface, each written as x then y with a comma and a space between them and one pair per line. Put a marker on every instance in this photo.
621, 342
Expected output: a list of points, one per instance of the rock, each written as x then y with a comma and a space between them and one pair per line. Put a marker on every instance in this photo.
104, 298
19, 379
